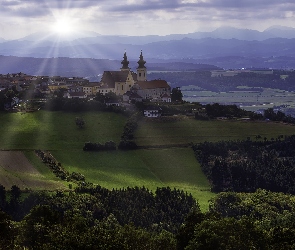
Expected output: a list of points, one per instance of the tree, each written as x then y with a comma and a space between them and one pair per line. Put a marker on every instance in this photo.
15, 192
2, 197
176, 95
228, 233
80, 122
6, 232
100, 97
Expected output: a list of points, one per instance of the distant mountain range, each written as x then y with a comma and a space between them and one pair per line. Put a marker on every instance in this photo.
225, 47
85, 67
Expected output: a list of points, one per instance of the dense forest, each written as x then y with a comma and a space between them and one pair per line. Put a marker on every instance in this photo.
245, 166
91, 217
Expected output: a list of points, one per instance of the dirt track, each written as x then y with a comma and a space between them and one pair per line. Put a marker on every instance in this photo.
15, 169
16, 161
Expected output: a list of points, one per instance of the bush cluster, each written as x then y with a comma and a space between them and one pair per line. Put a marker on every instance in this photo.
90, 146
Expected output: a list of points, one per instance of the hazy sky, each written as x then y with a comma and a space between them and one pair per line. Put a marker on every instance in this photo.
19, 18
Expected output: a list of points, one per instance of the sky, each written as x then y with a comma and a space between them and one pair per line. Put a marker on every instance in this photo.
19, 18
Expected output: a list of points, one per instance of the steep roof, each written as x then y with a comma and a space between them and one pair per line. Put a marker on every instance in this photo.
165, 96
111, 77
154, 84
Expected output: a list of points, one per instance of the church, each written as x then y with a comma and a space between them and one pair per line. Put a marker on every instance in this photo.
131, 85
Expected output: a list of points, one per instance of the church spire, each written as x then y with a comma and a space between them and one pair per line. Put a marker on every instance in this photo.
141, 62
125, 63
141, 69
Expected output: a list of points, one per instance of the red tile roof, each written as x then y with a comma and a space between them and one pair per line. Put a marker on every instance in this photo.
111, 77
154, 84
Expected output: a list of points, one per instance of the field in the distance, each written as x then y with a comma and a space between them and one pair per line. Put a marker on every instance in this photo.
245, 97
185, 130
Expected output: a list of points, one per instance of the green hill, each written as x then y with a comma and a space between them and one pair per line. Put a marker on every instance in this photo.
151, 167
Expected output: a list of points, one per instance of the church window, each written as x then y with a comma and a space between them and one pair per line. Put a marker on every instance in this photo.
139, 74
122, 87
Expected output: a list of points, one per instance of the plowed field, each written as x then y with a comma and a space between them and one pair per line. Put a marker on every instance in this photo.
15, 169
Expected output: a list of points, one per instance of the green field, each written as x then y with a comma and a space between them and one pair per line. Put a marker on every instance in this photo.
152, 168
57, 130
188, 130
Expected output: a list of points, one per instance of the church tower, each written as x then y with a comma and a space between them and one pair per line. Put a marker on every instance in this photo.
141, 69
125, 63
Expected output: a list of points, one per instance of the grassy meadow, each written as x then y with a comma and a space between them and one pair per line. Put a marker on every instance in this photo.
186, 130
152, 168
57, 130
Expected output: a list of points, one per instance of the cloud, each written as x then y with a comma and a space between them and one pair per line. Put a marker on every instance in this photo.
196, 9
151, 16
36, 8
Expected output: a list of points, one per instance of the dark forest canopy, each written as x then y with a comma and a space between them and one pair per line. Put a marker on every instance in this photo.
245, 166
134, 218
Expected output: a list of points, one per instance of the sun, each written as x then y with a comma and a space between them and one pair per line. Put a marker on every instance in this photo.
63, 26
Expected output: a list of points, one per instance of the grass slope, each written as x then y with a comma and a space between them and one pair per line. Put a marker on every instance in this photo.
172, 167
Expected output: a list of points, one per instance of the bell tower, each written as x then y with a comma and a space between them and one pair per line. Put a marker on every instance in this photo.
141, 69
125, 63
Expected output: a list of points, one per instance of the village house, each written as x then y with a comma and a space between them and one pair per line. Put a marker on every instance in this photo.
155, 90
152, 112
77, 95
90, 89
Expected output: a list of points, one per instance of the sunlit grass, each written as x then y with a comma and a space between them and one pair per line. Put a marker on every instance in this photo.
176, 168
57, 130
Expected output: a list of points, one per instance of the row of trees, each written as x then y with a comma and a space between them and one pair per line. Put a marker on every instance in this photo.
57, 168
90, 146
217, 110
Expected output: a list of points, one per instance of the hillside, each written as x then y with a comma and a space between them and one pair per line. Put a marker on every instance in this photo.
151, 167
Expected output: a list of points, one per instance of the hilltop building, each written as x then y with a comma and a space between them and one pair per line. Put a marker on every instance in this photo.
134, 86
118, 82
